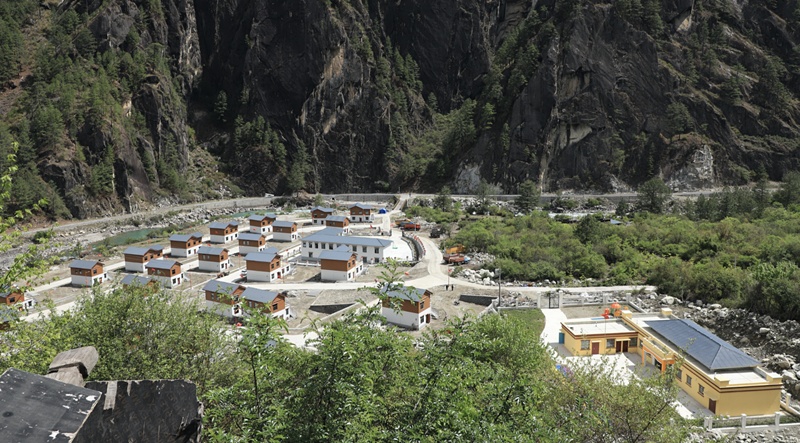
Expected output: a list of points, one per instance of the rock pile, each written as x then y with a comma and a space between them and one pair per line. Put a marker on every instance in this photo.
512, 299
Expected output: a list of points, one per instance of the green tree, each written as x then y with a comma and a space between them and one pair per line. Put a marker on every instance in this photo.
678, 118
528, 198
653, 195
789, 193
443, 200
296, 179
221, 107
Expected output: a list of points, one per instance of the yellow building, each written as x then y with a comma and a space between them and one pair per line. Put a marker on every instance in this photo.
716, 374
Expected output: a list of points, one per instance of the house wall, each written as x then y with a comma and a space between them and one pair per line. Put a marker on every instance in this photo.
134, 266
213, 266
224, 238
244, 250
88, 281
282, 234
180, 249
13, 298
268, 275
573, 342
280, 311
169, 281
410, 320
313, 249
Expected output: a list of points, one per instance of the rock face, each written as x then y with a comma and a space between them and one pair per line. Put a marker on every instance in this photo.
380, 95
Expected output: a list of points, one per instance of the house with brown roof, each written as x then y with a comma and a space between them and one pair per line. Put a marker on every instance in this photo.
213, 259
338, 221
224, 232
407, 307
87, 272
265, 266
361, 213
283, 230
319, 214
262, 224
137, 257
252, 242
166, 272
341, 264
185, 245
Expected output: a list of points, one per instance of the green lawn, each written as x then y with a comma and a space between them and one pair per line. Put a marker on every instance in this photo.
532, 317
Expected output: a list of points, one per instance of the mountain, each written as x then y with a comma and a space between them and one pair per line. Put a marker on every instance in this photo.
131, 101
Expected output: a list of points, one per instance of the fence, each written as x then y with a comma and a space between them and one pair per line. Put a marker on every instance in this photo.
749, 423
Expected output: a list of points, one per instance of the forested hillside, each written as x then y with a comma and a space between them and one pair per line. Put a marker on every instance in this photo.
120, 103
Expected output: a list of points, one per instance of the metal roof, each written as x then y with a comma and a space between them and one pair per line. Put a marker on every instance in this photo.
259, 295
208, 250
260, 257
8, 292
250, 236
259, 217
336, 218
223, 225
83, 264
342, 253
330, 230
185, 237
221, 286
362, 206
132, 279
323, 209
283, 223
161, 264
356, 241
709, 350
136, 250
405, 293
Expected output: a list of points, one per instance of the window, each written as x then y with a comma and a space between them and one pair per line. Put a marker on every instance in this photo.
422, 319
363, 249
330, 246
94, 271
173, 272
634, 342
274, 307
679, 374
701, 390
584, 345
610, 343
688, 380
422, 304
376, 250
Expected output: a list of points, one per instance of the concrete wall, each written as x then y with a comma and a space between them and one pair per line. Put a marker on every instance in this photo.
409, 320
483, 300
212, 266
184, 252
134, 267
244, 250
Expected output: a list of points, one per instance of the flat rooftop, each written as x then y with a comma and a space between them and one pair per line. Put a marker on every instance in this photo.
601, 326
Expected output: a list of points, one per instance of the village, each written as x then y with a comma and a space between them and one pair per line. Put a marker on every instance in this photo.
309, 268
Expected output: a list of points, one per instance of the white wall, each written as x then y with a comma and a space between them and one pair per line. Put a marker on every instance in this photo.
213, 266
167, 282
329, 275
134, 267
184, 252
283, 236
79, 280
224, 238
405, 319
362, 218
315, 248
261, 229
244, 250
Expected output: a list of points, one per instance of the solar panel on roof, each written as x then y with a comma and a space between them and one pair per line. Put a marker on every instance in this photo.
709, 350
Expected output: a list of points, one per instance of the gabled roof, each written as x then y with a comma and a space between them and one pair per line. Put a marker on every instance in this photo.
132, 279
208, 250
260, 257
342, 253
4, 294
336, 218
323, 209
405, 293
709, 350
223, 225
361, 205
330, 230
135, 250
357, 241
283, 223
84, 264
221, 287
259, 217
161, 264
185, 237
251, 236
259, 295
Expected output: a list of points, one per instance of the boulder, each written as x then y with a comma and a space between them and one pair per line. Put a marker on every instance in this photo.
668, 300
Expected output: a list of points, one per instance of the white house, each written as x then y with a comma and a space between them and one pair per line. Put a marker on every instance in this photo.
251, 242
407, 307
283, 230
137, 257
213, 259
265, 266
361, 213
166, 272
87, 272
262, 224
270, 302
341, 264
185, 245
368, 249
223, 298
224, 232
319, 214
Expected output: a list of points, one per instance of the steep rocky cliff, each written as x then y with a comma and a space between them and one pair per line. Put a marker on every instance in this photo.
361, 95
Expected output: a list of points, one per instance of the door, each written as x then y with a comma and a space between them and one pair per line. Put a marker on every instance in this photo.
712, 405
553, 301
561, 338
619, 346
625, 346
595, 347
